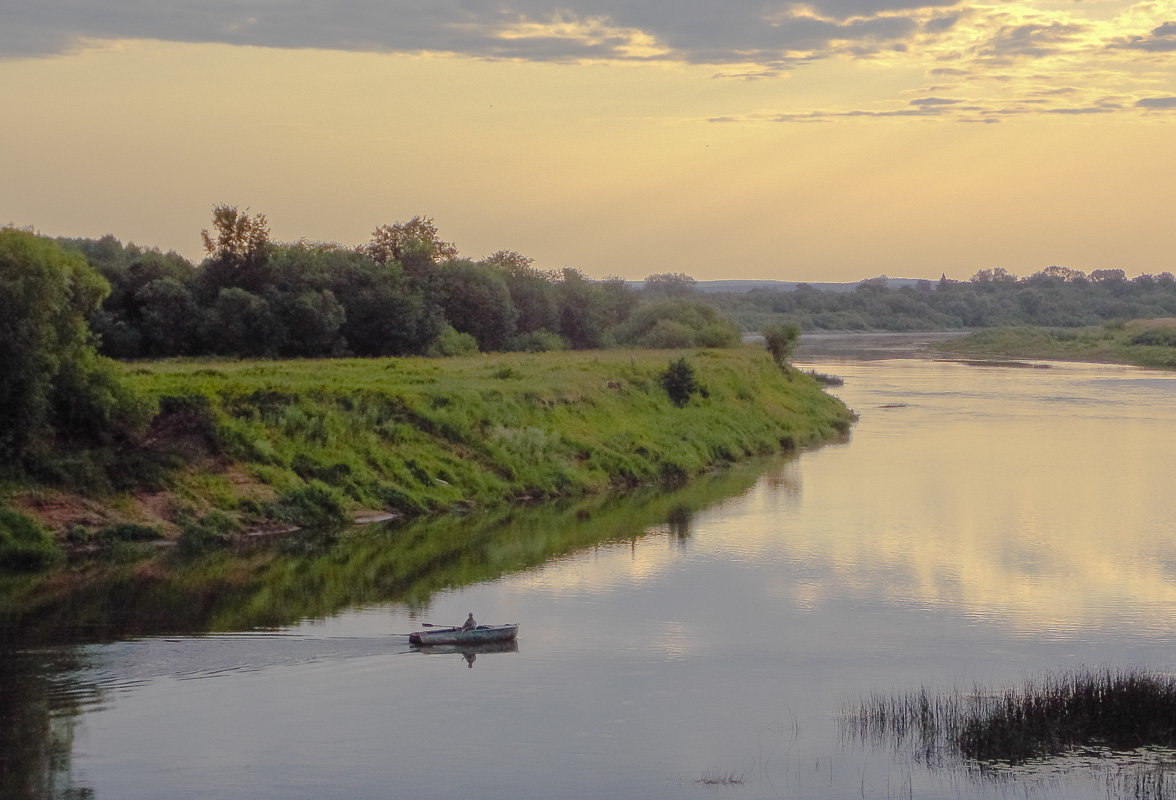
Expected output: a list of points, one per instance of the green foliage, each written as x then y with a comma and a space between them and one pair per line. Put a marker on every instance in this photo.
476, 301
54, 382
677, 324
129, 532
24, 545
538, 342
394, 242
680, 382
452, 343
315, 504
1053, 297
1156, 337
1140, 342
781, 341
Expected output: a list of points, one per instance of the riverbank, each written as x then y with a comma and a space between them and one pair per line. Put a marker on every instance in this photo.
1143, 343
251, 446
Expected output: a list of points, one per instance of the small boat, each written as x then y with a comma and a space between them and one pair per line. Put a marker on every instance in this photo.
478, 635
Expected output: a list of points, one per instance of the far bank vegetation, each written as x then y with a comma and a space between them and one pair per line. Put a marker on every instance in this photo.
99, 453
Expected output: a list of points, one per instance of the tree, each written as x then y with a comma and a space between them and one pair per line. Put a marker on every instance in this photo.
677, 323
394, 242
476, 301
1108, 276
670, 284
53, 379
781, 341
993, 275
238, 254
532, 291
167, 315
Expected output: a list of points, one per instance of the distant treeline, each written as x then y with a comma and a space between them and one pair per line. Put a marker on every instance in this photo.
405, 292
1055, 297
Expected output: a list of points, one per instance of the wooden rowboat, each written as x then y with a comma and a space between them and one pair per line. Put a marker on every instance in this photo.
479, 635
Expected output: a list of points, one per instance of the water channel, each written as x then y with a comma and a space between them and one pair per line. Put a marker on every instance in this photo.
983, 525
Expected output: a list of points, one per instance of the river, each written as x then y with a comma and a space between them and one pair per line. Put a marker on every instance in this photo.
984, 525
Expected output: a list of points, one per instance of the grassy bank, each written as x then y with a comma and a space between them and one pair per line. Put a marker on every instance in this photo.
246, 444
1144, 342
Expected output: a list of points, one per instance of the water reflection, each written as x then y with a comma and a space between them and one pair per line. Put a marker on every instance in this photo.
992, 523
470, 652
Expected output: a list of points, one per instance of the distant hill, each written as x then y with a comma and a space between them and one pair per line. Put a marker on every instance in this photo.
740, 285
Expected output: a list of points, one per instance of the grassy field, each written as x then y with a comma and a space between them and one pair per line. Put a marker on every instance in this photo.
1144, 342
246, 444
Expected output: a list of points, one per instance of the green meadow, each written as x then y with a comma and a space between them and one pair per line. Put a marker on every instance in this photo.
246, 445
1142, 342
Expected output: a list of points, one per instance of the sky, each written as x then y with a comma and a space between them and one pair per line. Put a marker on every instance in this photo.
828, 140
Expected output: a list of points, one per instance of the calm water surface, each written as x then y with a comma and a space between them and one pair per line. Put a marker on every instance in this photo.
984, 525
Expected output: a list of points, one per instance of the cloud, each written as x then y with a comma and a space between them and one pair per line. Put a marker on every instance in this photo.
1161, 39
1156, 102
695, 31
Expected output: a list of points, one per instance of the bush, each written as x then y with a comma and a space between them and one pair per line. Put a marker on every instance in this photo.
680, 382
538, 342
211, 530
24, 545
451, 343
674, 324
1161, 337
781, 341
314, 504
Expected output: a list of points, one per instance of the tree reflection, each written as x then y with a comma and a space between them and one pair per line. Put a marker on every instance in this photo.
39, 705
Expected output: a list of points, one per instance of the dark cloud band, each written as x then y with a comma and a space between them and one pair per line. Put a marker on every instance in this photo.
699, 31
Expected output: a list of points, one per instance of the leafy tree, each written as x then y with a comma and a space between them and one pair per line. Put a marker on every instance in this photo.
315, 318
780, 341
670, 284
167, 318
242, 323
238, 251
54, 381
582, 312
532, 291
394, 242
476, 301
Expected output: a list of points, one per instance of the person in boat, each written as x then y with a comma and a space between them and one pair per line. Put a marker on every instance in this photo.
469, 624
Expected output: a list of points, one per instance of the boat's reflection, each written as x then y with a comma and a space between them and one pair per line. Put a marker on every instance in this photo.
469, 652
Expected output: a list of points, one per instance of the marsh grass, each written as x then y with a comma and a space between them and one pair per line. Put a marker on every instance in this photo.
728, 778
1061, 713
1143, 342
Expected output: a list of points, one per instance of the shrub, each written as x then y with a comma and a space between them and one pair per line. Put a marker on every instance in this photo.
781, 341
452, 343
314, 504
680, 381
24, 545
538, 342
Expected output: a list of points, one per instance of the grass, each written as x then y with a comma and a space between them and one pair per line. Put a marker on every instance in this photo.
1062, 713
1144, 342
320, 441
267, 582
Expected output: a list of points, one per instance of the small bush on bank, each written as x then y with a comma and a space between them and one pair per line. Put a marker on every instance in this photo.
315, 504
680, 381
24, 545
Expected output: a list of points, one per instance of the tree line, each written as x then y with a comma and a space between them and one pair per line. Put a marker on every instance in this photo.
1053, 297
406, 291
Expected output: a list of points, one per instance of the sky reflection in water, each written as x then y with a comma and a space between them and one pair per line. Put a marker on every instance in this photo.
983, 525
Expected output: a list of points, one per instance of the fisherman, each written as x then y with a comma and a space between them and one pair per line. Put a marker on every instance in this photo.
469, 624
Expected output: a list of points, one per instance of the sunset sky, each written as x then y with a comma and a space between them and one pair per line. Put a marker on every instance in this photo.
831, 140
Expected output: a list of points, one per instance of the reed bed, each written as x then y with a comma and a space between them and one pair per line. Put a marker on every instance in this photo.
1116, 710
